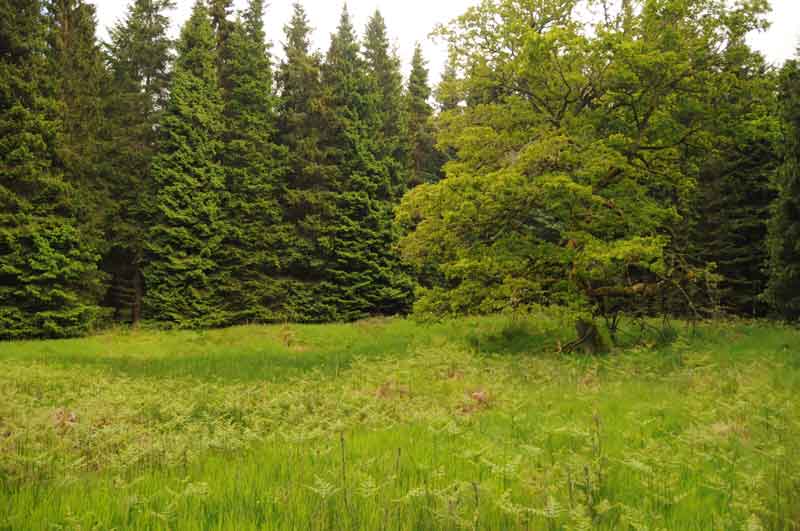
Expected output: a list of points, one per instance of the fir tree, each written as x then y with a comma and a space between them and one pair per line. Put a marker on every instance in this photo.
362, 275
220, 13
424, 161
48, 270
448, 92
734, 186
254, 165
783, 291
391, 127
183, 245
81, 86
140, 57
304, 196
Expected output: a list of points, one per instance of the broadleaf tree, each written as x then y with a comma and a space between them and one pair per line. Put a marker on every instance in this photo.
571, 143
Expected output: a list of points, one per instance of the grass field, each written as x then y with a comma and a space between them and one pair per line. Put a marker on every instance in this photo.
388, 424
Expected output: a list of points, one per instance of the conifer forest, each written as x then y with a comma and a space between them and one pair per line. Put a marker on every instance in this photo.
246, 283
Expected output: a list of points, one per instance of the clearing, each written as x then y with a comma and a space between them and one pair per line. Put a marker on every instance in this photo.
390, 424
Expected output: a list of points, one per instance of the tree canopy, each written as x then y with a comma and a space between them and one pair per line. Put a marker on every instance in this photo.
614, 158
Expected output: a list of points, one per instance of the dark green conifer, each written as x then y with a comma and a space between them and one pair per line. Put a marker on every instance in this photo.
734, 186
49, 281
254, 166
305, 197
448, 92
81, 86
783, 291
140, 58
391, 122
183, 279
220, 13
362, 275
424, 160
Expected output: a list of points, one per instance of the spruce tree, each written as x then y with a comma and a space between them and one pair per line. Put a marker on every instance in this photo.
254, 166
183, 244
48, 271
220, 13
448, 92
304, 193
362, 275
391, 124
731, 209
424, 160
81, 87
783, 291
140, 58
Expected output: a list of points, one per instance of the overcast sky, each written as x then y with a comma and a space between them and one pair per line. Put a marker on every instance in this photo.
410, 21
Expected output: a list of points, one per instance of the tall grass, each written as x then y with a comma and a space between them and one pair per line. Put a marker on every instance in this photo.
388, 424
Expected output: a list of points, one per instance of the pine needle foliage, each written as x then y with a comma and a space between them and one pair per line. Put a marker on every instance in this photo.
49, 281
784, 284
183, 275
255, 167
362, 275
140, 56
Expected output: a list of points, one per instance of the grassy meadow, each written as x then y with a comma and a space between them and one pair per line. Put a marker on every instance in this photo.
477, 423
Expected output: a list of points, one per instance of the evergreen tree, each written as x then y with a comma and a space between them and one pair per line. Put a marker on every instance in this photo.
220, 13
783, 291
183, 244
81, 87
254, 165
734, 188
48, 271
304, 196
362, 275
391, 126
424, 161
140, 57
448, 92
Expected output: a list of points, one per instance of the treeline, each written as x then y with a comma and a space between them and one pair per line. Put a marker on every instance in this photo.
644, 162
197, 183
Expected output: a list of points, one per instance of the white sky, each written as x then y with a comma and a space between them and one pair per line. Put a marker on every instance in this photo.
410, 21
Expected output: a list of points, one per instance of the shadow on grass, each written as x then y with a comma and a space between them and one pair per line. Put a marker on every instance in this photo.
511, 337
245, 354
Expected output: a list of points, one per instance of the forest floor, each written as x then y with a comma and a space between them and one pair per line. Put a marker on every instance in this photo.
389, 424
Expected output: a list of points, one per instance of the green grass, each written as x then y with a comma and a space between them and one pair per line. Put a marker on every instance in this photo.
388, 424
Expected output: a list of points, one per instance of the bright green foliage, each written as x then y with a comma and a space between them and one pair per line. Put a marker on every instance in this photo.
183, 244
424, 160
362, 276
254, 167
49, 280
391, 141
784, 243
140, 56
571, 166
